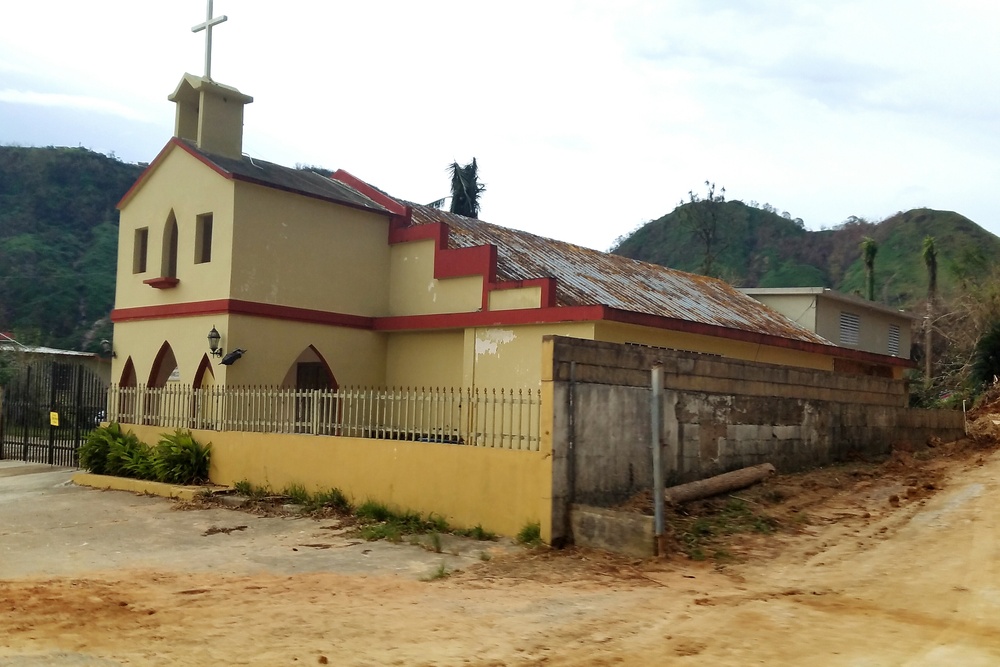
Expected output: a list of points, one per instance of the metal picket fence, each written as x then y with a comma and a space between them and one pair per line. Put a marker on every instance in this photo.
497, 418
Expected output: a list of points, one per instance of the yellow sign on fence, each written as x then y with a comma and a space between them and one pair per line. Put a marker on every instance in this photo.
54, 418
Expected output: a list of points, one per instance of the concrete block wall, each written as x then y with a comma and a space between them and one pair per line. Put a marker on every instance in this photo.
719, 415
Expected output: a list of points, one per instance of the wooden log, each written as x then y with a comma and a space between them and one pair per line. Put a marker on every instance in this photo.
713, 486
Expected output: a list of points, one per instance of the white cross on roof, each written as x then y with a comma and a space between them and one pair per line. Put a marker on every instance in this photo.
207, 27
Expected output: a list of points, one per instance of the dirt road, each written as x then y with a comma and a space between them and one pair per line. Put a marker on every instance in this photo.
875, 580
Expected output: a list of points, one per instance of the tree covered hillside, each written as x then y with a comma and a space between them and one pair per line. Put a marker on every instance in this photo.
58, 241
756, 247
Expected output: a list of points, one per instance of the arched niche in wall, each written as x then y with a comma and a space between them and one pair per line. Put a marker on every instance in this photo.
310, 371
204, 376
168, 262
128, 377
164, 365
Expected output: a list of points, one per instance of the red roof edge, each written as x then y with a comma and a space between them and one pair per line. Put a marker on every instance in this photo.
352, 181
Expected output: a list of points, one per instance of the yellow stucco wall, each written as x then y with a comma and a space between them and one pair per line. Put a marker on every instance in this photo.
184, 185
307, 253
614, 332
511, 357
413, 290
425, 359
501, 490
355, 356
187, 336
515, 299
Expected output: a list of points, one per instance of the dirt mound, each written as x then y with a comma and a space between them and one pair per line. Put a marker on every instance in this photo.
985, 428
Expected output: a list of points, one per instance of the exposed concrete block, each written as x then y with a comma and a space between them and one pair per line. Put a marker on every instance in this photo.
621, 532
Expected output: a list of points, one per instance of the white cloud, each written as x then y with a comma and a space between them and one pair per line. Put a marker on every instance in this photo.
62, 100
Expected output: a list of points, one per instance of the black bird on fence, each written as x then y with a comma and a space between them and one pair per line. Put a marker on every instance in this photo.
232, 357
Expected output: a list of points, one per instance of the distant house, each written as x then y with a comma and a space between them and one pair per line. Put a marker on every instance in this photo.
49, 400
843, 319
29, 354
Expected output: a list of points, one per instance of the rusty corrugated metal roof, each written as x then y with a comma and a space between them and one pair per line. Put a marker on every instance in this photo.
590, 277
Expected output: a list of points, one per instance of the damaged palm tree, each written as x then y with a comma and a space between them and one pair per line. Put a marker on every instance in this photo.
465, 189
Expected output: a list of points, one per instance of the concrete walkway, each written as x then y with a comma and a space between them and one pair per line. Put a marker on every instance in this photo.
50, 527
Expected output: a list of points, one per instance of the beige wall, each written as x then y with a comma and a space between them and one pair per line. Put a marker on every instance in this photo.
184, 185
500, 489
614, 332
307, 253
873, 335
799, 308
413, 290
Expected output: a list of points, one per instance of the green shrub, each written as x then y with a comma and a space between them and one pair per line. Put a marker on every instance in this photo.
180, 459
130, 457
94, 451
110, 451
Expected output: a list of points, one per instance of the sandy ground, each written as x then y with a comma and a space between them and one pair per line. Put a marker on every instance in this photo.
898, 565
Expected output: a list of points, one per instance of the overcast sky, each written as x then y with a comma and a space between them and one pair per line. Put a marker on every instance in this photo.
587, 118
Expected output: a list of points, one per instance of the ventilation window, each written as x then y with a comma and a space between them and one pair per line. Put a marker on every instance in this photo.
850, 327
139, 250
203, 239
894, 340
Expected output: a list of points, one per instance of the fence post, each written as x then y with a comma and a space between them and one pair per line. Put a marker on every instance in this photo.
656, 380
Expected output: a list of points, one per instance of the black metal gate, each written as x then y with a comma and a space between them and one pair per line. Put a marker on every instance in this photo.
48, 409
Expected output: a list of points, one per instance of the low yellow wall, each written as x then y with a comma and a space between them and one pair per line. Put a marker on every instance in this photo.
500, 489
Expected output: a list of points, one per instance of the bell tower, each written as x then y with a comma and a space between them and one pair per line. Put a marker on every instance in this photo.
209, 113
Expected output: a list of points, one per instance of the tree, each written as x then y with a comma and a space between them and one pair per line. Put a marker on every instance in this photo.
465, 189
869, 248
930, 261
701, 217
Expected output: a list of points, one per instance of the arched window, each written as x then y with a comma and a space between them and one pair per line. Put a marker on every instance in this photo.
168, 264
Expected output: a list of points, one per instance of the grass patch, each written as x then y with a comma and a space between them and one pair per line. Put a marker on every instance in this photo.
698, 535
331, 498
477, 533
531, 534
381, 531
379, 521
440, 573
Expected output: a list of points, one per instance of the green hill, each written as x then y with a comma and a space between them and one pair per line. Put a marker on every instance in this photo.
58, 243
756, 247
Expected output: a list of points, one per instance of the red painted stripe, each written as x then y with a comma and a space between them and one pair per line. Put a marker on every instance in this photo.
490, 318
240, 307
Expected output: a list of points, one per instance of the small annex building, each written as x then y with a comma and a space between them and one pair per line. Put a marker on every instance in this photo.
843, 319
326, 281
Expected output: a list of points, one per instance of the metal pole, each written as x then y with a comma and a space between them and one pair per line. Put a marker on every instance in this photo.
656, 382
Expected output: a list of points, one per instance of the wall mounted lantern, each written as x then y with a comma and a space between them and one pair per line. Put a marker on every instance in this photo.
213, 343
107, 350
